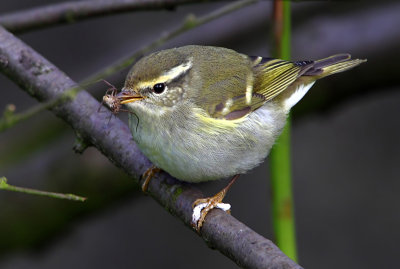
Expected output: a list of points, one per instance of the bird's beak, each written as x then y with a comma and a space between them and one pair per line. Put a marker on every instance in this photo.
126, 96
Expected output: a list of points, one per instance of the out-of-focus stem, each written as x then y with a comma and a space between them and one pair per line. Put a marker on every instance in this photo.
281, 183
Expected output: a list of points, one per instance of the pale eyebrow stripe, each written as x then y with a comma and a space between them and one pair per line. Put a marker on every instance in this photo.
178, 70
168, 76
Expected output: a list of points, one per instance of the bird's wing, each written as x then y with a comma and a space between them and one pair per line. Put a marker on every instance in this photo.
266, 79
273, 76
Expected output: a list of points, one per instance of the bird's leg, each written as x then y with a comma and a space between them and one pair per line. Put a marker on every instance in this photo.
148, 175
201, 207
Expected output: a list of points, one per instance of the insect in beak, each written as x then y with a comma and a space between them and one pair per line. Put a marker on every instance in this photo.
112, 102
110, 99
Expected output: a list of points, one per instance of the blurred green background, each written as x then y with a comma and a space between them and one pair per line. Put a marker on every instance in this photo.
345, 147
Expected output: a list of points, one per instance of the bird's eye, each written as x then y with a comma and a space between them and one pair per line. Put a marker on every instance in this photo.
159, 88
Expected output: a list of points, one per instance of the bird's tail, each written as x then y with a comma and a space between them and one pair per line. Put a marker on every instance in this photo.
331, 65
313, 70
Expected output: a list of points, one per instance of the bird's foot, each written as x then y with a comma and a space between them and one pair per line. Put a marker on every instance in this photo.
201, 207
148, 175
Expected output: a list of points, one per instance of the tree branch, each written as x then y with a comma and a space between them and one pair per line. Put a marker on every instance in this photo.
68, 12
44, 81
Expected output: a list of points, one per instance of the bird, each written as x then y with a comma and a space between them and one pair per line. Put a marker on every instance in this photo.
204, 113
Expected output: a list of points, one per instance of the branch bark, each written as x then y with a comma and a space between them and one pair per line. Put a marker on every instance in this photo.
44, 81
68, 12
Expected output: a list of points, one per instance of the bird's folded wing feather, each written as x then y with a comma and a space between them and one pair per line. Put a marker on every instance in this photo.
269, 77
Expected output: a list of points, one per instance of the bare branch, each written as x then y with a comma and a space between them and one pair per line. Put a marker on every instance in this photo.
44, 81
69, 12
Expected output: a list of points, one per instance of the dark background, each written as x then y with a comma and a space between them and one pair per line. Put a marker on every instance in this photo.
345, 139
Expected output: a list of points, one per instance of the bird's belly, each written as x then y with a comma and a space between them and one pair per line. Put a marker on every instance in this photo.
193, 154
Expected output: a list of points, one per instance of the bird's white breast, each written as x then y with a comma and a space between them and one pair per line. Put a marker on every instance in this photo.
193, 148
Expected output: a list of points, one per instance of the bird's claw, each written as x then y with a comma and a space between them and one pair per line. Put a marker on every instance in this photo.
201, 207
148, 175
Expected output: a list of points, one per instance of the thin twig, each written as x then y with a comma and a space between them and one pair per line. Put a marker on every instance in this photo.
67, 196
10, 118
69, 12
190, 22
221, 231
